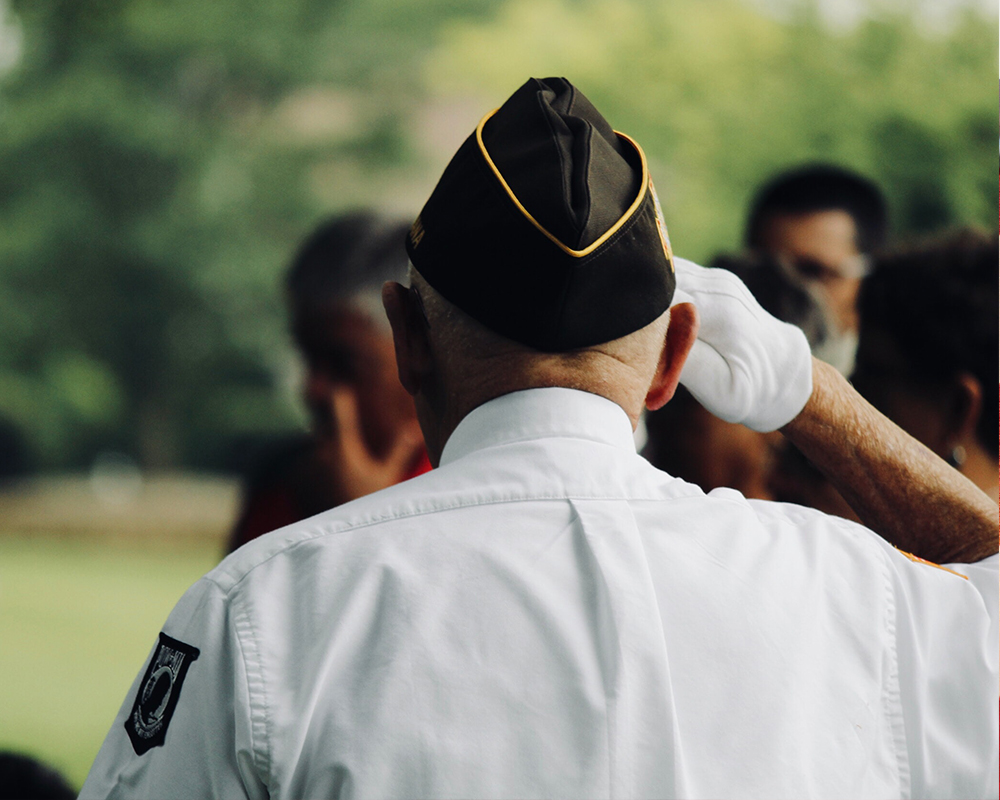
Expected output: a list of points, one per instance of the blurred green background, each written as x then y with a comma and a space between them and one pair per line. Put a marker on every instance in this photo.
160, 160
76, 623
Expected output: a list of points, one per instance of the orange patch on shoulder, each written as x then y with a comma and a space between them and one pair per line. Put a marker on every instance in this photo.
920, 560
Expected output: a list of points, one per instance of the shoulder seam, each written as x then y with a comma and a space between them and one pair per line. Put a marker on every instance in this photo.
320, 529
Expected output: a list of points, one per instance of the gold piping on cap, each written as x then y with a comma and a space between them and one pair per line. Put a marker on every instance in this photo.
604, 236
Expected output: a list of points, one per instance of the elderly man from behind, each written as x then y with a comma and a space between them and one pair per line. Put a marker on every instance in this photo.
547, 615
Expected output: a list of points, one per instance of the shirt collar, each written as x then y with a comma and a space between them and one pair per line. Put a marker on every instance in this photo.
539, 414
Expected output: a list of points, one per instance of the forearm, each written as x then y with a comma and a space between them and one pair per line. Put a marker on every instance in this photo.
898, 487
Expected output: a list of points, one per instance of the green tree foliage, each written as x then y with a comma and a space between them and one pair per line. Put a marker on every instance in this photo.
722, 95
138, 217
160, 160
158, 164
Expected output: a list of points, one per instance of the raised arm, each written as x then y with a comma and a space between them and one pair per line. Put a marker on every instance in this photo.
751, 368
896, 485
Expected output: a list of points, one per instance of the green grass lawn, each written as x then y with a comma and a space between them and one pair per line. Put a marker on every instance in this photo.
78, 617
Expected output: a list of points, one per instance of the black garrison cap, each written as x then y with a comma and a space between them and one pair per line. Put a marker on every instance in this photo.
545, 227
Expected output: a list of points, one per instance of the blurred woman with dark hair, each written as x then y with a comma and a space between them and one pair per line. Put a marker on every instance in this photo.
927, 355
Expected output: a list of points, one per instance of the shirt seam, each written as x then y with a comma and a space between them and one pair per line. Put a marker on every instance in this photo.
256, 684
617, 701
318, 531
893, 698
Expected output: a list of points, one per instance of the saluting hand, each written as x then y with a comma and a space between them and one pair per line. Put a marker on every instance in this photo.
746, 366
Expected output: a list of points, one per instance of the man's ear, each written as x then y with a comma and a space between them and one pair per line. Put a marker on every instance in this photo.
682, 331
409, 335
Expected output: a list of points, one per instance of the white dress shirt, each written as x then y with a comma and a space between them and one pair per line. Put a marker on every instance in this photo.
547, 615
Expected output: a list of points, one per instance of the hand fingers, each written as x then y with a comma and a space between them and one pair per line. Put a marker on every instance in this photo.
407, 443
709, 376
346, 422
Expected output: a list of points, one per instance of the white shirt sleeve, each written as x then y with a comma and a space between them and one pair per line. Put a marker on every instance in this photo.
947, 657
195, 714
985, 577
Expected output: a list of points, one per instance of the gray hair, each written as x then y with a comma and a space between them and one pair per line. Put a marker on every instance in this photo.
459, 338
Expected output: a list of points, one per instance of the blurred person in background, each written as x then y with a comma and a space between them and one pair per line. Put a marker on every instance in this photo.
926, 358
824, 222
23, 777
687, 440
15, 457
927, 355
364, 433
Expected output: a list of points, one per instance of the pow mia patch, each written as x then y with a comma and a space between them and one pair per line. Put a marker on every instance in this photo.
156, 699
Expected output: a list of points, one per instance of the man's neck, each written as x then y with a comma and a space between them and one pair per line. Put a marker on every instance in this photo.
616, 382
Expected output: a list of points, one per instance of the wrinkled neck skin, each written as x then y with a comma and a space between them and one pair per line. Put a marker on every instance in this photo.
458, 388
451, 366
